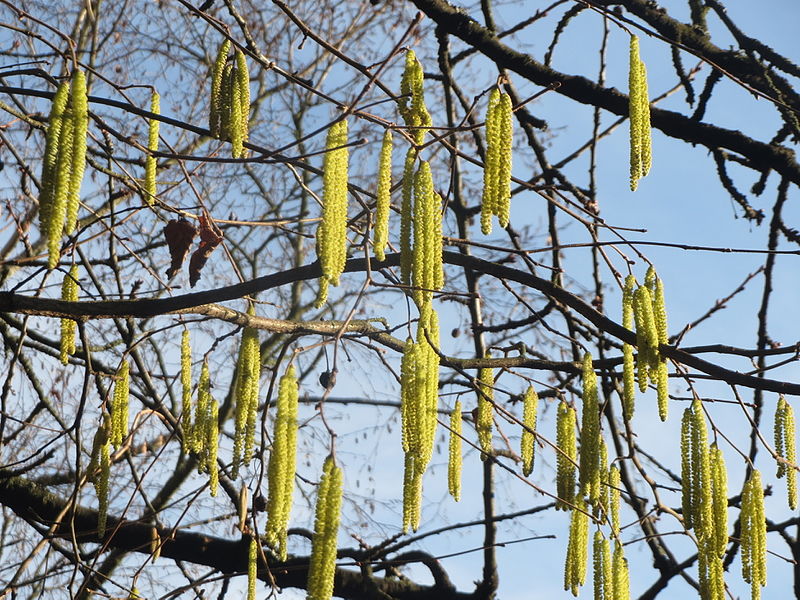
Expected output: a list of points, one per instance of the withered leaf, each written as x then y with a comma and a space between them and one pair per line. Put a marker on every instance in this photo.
179, 234
210, 238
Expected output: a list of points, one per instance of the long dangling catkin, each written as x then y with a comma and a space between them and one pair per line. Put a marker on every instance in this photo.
701, 485
687, 468
119, 405
202, 411
252, 569
530, 402
99, 470
566, 456
754, 535
246, 389
212, 444
628, 376
235, 124
59, 194
332, 230
484, 420
282, 464
619, 568
69, 292
577, 549
590, 431
152, 145
383, 197
639, 116
406, 217
412, 102
243, 85
454, 458
603, 578
658, 362
55, 128
216, 101
79, 108
786, 448
614, 485
646, 334
497, 169
426, 269
719, 499
186, 391
322, 566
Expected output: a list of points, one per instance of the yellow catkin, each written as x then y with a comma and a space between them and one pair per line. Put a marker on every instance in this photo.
235, 117
61, 179
590, 431
55, 128
226, 97
601, 560
412, 102
406, 217
646, 334
577, 550
186, 391
566, 456
408, 394
150, 161
332, 230
426, 270
754, 535
216, 101
244, 500
620, 570
614, 485
701, 484
530, 402
282, 464
212, 444
786, 448
383, 198
687, 468
628, 376
454, 459
719, 499
100, 469
484, 420
201, 413
639, 116
322, 566
119, 405
243, 85
496, 198
252, 569
246, 389
79, 108
69, 292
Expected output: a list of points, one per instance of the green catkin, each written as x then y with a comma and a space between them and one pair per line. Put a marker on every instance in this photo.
408, 395
566, 456
69, 292
211, 432
628, 374
186, 391
383, 197
687, 468
119, 405
51, 154
61, 176
99, 471
598, 490
252, 569
639, 113
603, 577
786, 448
484, 420
202, 411
530, 402
454, 458
226, 97
646, 335
243, 85
150, 161
754, 535
406, 217
426, 270
282, 464
79, 108
719, 499
246, 389
701, 492
590, 431
577, 549
332, 230
614, 485
662, 337
412, 103
322, 566
236, 124
216, 102
497, 169
620, 570
711, 543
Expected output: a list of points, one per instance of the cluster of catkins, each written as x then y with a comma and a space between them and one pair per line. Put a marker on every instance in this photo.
230, 99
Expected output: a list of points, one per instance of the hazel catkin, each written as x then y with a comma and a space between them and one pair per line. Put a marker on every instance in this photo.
566, 455
150, 161
454, 455
530, 403
322, 566
786, 448
484, 419
639, 116
246, 390
383, 198
496, 198
69, 293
